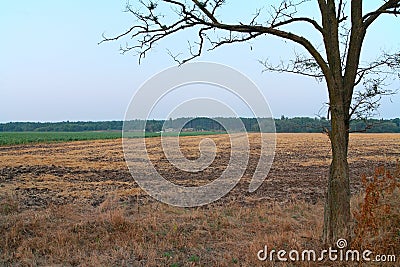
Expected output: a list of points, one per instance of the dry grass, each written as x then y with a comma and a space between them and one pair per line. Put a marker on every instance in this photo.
156, 235
377, 212
159, 235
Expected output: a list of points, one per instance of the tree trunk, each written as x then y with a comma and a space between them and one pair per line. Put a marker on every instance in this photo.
337, 203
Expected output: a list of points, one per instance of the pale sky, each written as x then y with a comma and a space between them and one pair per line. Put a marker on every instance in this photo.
52, 69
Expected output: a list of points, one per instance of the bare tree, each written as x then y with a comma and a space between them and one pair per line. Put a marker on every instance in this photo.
353, 88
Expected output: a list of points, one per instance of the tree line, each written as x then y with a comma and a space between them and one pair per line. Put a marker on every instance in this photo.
282, 125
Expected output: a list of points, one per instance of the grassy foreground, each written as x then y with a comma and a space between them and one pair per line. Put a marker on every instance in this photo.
159, 235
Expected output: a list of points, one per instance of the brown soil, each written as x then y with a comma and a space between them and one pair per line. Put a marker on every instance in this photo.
90, 171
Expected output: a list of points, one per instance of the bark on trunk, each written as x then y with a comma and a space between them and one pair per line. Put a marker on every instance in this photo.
337, 203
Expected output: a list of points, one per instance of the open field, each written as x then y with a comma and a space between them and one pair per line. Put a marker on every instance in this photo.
75, 203
18, 138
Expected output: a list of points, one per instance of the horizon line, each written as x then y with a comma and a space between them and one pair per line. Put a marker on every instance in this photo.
156, 119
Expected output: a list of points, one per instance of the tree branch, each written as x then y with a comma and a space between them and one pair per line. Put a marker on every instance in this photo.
357, 34
388, 64
202, 7
301, 19
300, 65
279, 33
384, 9
153, 30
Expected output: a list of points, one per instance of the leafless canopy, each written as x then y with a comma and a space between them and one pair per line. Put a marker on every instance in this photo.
158, 19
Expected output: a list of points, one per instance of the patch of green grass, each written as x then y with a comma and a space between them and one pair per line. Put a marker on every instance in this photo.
194, 258
20, 138
167, 254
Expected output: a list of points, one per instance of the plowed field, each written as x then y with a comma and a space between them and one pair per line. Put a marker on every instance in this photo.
90, 171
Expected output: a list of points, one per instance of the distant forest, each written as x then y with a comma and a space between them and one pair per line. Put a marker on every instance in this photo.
283, 125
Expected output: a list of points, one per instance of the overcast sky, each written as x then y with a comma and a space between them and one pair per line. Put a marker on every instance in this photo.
52, 69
